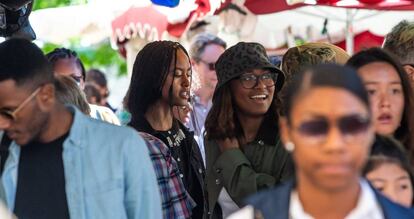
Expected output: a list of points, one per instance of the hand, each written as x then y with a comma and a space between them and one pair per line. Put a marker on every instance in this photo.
228, 143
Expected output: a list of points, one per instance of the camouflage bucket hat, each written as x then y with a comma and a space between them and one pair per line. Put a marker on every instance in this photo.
242, 57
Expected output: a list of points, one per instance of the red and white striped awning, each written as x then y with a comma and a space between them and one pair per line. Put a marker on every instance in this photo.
152, 22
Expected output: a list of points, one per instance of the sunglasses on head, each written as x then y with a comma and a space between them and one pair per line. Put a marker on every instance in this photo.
349, 125
211, 65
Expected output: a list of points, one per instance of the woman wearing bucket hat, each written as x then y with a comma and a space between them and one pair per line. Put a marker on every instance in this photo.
243, 150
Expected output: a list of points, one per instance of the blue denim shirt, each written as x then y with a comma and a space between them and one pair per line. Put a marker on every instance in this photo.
108, 172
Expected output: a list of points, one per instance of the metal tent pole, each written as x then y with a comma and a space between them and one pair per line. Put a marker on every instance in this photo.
349, 33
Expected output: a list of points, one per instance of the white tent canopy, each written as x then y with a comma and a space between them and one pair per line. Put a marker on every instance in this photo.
270, 30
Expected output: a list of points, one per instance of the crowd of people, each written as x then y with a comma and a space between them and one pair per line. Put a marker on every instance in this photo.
215, 132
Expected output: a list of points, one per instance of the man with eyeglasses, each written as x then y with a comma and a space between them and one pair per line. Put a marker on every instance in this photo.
61, 163
204, 51
400, 42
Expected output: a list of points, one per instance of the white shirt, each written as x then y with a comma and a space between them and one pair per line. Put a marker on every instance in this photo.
4, 213
367, 206
103, 113
228, 206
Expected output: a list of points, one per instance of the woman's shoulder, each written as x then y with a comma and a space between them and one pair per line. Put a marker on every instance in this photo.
273, 202
393, 210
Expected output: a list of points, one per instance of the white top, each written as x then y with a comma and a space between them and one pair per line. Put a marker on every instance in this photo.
228, 206
4, 213
244, 213
367, 206
103, 113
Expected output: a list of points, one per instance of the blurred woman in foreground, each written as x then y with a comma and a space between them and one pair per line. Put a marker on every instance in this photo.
330, 145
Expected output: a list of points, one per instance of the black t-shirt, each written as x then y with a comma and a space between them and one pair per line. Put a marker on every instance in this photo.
180, 142
180, 146
41, 181
177, 142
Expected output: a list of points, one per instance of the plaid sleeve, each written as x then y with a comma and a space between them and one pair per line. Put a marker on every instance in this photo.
176, 202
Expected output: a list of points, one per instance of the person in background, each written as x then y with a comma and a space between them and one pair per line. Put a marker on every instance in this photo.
243, 150
390, 94
330, 145
400, 42
161, 79
299, 57
68, 92
97, 78
62, 163
390, 172
66, 62
122, 113
92, 94
205, 49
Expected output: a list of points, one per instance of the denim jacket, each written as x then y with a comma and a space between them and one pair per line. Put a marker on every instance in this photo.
274, 203
107, 169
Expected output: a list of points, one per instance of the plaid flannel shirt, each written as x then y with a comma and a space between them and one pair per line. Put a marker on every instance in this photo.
176, 202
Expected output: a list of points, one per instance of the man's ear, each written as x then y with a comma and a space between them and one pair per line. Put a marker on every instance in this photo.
194, 64
46, 97
410, 72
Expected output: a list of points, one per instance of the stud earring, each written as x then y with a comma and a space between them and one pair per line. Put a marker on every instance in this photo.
290, 146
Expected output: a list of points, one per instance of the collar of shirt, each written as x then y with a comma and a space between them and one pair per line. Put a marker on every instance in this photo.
367, 206
197, 103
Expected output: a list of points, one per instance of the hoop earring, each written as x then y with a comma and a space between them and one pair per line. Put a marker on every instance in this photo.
290, 147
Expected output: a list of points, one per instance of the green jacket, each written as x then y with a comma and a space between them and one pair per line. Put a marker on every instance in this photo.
257, 165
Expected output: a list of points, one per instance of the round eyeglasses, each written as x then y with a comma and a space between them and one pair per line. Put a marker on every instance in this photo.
8, 116
250, 80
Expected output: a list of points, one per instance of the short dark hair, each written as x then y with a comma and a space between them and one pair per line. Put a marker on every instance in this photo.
91, 91
388, 150
200, 41
405, 132
24, 62
96, 76
324, 75
63, 53
400, 42
150, 70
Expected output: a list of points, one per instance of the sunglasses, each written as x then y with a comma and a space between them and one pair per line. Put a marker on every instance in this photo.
211, 65
7, 116
250, 80
350, 125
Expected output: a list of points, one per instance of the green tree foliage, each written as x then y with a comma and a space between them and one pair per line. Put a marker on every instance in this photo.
96, 56
101, 55
41, 4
